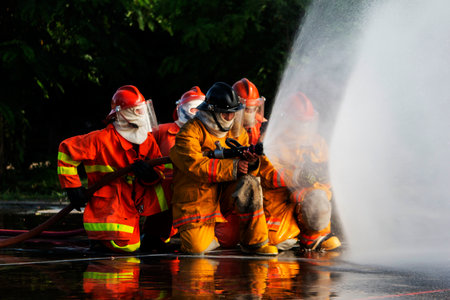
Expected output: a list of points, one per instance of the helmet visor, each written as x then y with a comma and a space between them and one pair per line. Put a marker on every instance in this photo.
238, 122
254, 111
150, 111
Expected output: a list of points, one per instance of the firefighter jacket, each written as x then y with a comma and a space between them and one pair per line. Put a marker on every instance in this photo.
283, 186
165, 137
254, 132
197, 177
114, 209
297, 168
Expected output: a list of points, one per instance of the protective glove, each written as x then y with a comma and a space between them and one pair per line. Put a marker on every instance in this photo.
304, 175
144, 171
77, 197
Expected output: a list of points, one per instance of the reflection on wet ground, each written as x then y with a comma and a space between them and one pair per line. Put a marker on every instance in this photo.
65, 268
59, 271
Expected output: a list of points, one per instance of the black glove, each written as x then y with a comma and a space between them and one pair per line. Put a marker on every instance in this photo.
144, 171
77, 197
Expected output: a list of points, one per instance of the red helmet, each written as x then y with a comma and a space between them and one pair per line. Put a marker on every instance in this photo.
125, 97
303, 106
193, 94
245, 89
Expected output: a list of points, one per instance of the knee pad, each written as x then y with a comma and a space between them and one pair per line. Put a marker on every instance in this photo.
315, 210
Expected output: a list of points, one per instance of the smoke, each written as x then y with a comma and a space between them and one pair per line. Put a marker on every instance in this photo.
377, 72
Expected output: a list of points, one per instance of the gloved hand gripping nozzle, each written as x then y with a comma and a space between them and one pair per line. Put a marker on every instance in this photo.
235, 150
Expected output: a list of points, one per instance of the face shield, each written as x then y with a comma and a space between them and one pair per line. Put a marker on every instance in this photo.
253, 112
150, 111
238, 122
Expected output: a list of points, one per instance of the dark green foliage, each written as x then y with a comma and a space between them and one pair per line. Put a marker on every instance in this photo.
61, 61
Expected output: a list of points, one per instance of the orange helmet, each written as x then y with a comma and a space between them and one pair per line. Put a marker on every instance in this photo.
246, 90
125, 97
303, 106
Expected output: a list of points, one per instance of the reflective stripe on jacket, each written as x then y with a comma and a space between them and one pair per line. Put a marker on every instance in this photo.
196, 177
114, 210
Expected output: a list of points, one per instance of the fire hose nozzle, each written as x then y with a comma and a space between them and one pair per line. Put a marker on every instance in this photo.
235, 150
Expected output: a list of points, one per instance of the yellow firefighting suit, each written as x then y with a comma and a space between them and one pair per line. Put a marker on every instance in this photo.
285, 186
203, 187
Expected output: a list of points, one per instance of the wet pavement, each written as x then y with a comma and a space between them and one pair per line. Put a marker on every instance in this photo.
65, 268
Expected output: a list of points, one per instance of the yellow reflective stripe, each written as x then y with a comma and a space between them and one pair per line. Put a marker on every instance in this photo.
127, 248
67, 159
67, 170
99, 168
168, 166
161, 197
129, 178
101, 275
133, 260
108, 227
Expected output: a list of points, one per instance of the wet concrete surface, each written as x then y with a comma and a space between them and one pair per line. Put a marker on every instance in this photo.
65, 268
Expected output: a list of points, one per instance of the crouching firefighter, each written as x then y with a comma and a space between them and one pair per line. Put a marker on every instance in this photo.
296, 186
206, 189
111, 217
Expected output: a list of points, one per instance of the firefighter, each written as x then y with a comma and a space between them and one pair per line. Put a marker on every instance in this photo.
254, 121
297, 190
165, 138
111, 216
206, 188
185, 110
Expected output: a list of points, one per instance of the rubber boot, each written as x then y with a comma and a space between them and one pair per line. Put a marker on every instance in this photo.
323, 243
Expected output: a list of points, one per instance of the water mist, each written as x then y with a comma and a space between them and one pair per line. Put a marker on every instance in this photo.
378, 73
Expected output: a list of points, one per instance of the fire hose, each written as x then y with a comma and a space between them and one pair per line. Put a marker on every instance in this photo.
62, 213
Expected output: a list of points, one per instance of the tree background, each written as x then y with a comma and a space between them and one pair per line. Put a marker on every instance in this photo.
61, 62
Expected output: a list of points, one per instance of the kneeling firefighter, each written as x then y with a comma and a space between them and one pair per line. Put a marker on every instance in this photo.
112, 216
207, 188
297, 191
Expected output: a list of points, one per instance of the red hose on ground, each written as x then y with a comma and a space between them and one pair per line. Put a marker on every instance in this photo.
50, 234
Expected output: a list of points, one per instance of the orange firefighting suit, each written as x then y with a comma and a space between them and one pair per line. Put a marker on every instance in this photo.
203, 188
282, 191
165, 138
113, 212
255, 132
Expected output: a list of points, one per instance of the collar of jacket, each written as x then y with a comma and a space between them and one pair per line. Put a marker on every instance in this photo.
126, 145
173, 129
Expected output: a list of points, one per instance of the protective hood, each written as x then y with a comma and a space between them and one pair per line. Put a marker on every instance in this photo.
184, 111
207, 119
132, 126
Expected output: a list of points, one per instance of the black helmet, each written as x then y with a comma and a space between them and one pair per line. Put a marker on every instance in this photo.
221, 98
